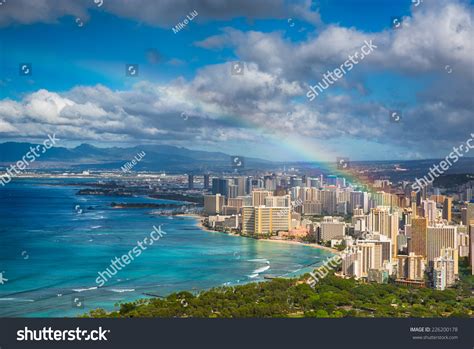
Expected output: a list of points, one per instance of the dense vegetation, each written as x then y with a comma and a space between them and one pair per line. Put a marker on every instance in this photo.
331, 297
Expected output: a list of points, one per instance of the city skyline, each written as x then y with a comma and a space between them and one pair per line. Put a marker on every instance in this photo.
186, 93
254, 160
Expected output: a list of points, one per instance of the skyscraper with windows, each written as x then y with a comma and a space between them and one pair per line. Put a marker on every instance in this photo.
440, 237
190, 181
467, 214
265, 220
411, 267
444, 271
219, 186
471, 247
241, 185
448, 203
429, 211
206, 181
213, 204
258, 197
419, 230
232, 191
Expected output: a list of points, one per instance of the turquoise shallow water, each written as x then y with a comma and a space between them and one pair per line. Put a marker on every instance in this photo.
51, 253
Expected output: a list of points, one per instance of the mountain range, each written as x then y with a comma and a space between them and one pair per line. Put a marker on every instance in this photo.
178, 159
157, 158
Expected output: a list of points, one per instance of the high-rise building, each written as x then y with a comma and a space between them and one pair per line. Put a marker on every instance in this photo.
469, 194
255, 184
235, 202
439, 199
411, 267
270, 183
407, 215
467, 214
358, 199
241, 185
219, 186
448, 203
350, 263
283, 183
229, 210
190, 181
341, 182
341, 208
381, 221
258, 197
343, 195
312, 208
265, 220
232, 190
402, 243
414, 203
386, 248
303, 180
463, 242
329, 201
296, 182
424, 192
441, 237
430, 211
213, 204
471, 247
358, 259
359, 223
333, 229
314, 182
444, 274
382, 198
246, 200
419, 230
206, 181
309, 194
277, 201
331, 180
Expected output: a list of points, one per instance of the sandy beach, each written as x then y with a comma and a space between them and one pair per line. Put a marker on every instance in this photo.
329, 249
201, 226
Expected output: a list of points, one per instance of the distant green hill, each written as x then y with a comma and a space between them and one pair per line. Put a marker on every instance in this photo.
452, 180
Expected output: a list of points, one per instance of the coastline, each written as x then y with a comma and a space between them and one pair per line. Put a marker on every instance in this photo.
292, 242
198, 222
200, 225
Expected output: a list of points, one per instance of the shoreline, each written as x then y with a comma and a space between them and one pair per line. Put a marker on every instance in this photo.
200, 225
292, 242
198, 222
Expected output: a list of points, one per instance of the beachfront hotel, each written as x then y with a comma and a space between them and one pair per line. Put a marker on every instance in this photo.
265, 220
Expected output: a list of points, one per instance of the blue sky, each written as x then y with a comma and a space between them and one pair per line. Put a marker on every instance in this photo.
65, 55
79, 88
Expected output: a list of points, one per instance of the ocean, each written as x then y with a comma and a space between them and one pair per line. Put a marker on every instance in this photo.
53, 244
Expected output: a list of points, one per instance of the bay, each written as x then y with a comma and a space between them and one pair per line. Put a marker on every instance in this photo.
53, 244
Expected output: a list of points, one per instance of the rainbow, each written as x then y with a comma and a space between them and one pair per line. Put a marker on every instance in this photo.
311, 157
